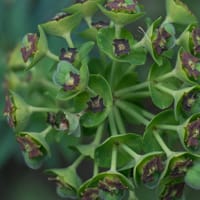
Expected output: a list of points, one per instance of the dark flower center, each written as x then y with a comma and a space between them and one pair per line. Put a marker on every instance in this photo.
58, 121
193, 134
9, 111
121, 47
196, 40
189, 100
160, 43
30, 48
96, 104
180, 168
72, 83
27, 144
68, 55
121, 6
90, 194
189, 63
172, 191
153, 168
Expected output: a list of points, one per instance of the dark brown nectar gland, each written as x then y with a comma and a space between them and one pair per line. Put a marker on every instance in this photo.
95, 104
31, 47
196, 40
189, 64
27, 144
58, 121
180, 168
188, 100
90, 194
121, 47
100, 24
173, 191
193, 134
72, 83
121, 6
160, 43
68, 55
151, 169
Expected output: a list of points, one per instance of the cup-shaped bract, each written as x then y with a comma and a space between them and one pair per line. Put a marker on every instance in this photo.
34, 47
34, 148
67, 181
17, 111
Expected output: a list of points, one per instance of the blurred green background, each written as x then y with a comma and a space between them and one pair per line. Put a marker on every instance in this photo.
18, 17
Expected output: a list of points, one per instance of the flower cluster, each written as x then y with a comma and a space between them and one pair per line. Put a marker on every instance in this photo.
93, 98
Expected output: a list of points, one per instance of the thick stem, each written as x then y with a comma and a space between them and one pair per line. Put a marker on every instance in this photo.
131, 89
45, 132
118, 28
126, 108
166, 90
142, 94
119, 121
160, 141
77, 162
113, 166
42, 109
132, 153
168, 127
113, 128
112, 73
91, 91
69, 40
167, 75
52, 56
98, 135
95, 169
88, 20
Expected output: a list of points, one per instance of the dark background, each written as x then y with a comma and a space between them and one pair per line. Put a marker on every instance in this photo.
18, 17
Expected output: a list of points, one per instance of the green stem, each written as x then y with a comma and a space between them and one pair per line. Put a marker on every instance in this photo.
91, 91
52, 56
88, 20
132, 153
46, 131
77, 162
133, 88
166, 90
160, 141
113, 166
168, 127
119, 121
69, 40
145, 113
126, 108
142, 94
113, 128
118, 28
167, 75
41, 109
112, 73
95, 169
98, 135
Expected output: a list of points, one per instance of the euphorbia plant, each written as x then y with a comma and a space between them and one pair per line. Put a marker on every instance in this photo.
93, 86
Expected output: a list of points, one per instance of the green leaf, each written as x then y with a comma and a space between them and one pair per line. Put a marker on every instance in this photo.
192, 176
178, 12
105, 39
86, 9
120, 17
157, 94
149, 142
62, 27
101, 87
124, 160
68, 179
